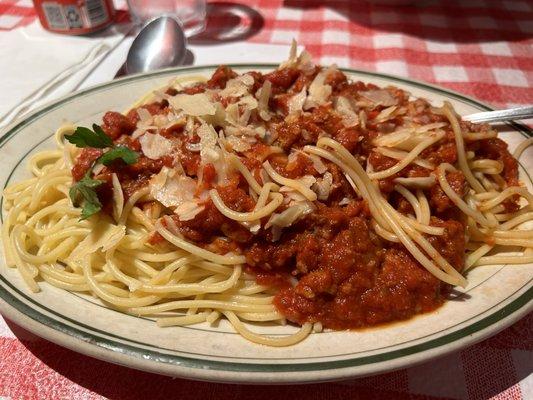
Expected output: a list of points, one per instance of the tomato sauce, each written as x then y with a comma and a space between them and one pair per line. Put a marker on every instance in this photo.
329, 266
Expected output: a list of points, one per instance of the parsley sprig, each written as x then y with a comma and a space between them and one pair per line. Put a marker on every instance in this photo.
83, 192
84, 137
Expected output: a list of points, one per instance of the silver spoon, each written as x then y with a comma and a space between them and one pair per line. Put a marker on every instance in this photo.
511, 114
160, 44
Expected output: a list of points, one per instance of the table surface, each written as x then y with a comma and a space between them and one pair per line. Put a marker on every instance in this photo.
478, 47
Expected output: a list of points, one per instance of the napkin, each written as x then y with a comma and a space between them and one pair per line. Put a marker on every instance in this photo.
240, 52
41, 62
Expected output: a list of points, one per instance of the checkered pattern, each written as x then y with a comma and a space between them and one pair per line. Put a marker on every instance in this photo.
32, 368
481, 48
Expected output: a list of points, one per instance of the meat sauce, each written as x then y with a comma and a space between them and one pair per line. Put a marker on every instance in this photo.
330, 266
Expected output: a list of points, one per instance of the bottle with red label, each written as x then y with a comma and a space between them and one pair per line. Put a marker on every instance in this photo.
75, 17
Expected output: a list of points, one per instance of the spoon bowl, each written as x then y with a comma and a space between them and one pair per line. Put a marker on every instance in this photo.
160, 44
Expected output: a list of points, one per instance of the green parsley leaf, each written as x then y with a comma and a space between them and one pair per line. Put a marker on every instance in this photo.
89, 209
84, 137
119, 153
82, 192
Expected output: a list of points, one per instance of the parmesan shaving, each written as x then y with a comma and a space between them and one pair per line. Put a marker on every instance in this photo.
155, 146
249, 131
307, 180
248, 102
322, 186
238, 144
171, 189
296, 103
380, 97
293, 156
362, 119
172, 120
103, 236
137, 133
290, 215
245, 116
208, 142
238, 86
98, 168
194, 147
303, 61
293, 56
232, 113
118, 197
385, 114
193, 104
344, 108
319, 92
188, 210
218, 118
145, 118
263, 96
344, 201
318, 165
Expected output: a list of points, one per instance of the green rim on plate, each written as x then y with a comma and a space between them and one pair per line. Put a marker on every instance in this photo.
39, 314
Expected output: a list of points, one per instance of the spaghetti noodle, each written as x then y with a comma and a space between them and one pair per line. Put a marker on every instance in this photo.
294, 195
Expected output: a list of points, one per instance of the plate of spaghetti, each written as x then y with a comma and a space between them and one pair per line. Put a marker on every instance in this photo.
262, 223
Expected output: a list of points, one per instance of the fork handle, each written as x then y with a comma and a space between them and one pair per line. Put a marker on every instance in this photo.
510, 114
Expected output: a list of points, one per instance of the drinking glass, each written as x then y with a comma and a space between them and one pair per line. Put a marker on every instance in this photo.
190, 13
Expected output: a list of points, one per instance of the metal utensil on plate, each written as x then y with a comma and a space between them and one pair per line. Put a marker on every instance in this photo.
161, 43
511, 114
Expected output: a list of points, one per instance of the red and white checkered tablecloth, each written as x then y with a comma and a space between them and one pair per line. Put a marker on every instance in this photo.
481, 48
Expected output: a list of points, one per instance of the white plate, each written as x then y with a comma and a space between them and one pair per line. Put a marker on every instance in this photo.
496, 296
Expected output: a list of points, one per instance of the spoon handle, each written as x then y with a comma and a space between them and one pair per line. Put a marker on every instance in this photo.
510, 114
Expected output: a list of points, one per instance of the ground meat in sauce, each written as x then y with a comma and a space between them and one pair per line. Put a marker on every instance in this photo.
437, 197
84, 162
346, 275
116, 125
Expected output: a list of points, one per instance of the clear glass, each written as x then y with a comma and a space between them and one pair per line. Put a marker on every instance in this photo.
191, 13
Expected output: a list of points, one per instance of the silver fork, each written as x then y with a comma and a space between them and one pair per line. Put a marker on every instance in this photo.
511, 114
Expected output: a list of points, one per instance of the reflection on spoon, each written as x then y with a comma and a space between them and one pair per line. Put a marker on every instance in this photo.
160, 44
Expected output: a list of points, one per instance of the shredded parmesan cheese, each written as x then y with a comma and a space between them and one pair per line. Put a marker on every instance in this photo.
344, 108
380, 96
193, 104
188, 210
104, 235
322, 186
385, 114
208, 143
145, 118
296, 103
303, 61
290, 215
318, 165
238, 86
172, 189
344, 201
155, 146
263, 96
238, 144
319, 92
